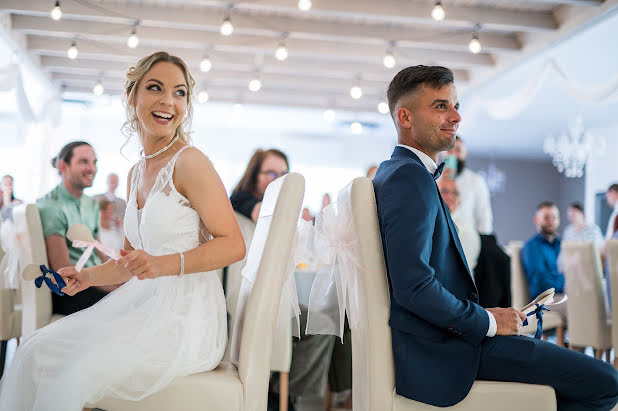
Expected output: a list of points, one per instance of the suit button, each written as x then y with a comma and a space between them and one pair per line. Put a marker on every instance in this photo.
473, 296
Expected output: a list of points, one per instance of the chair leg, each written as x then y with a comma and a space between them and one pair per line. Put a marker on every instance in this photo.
2, 356
328, 397
283, 390
560, 336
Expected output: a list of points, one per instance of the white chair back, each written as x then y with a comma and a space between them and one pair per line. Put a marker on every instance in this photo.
10, 316
586, 307
372, 352
520, 295
612, 271
273, 239
36, 302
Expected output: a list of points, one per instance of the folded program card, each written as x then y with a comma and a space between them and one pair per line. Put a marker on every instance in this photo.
545, 298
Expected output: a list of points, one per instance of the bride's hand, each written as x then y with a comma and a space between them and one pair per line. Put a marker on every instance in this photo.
140, 264
75, 281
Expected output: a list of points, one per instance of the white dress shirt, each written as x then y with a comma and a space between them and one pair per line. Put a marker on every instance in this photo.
475, 204
431, 166
610, 224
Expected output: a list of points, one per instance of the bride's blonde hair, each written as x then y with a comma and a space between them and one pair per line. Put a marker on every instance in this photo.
135, 76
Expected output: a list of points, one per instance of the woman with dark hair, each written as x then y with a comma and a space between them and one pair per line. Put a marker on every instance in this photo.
8, 200
264, 167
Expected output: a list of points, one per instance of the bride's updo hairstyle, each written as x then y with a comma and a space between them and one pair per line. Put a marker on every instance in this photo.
135, 76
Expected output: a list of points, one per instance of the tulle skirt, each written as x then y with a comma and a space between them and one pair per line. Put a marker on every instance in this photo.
129, 345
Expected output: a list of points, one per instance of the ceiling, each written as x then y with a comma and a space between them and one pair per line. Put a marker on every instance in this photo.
335, 45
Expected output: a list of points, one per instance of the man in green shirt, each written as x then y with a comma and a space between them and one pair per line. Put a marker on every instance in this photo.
66, 205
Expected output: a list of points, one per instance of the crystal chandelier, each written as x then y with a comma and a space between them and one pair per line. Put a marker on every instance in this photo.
495, 178
571, 152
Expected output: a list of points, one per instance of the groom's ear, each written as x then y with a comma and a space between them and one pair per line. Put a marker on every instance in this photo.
404, 117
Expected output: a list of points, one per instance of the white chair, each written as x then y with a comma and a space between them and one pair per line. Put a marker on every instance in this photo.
36, 302
10, 317
373, 352
586, 307
281, 356
520, 296
612, 269
231, 388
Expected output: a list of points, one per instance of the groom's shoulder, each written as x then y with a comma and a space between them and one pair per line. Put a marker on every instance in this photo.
396, 169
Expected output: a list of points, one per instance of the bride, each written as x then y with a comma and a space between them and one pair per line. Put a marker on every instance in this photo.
169, 317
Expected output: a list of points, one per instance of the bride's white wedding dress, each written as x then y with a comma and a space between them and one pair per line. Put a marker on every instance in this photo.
138, 338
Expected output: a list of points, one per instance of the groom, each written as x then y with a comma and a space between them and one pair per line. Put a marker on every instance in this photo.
442, 339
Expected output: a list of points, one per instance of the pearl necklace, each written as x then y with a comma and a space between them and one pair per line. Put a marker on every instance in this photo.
175, 139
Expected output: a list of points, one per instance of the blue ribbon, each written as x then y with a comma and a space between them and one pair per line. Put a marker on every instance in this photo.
539, 317
55, 287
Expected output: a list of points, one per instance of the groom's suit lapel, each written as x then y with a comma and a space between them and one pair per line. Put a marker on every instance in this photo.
404, 152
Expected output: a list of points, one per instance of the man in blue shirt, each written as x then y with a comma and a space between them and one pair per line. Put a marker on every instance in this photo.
539, 256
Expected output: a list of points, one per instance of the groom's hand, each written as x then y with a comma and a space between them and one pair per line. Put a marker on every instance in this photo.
508, 320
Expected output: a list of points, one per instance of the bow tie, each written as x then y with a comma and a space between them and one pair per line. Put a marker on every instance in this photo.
438, 171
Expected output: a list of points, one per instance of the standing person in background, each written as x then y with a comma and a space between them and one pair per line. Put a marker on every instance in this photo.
8, 200
119, 204
111, 234
579, 230
612, 200
475, 201
264, 167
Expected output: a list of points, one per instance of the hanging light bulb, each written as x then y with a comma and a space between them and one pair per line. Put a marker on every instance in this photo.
356, 128
383, 107
438, 13
389, 60
282, 52
255, 85
98, 88
56, 12
72, 51
304, 5
329, 115
202, 96
226, 27
356, 92
205, 65
475, 45
133, 40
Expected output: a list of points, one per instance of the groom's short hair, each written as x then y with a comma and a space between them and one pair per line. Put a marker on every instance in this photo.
411, 78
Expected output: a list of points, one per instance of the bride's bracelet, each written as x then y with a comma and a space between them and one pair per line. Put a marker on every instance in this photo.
182, 264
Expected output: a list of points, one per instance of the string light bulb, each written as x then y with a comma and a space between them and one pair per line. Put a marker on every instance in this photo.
475, 45
56, 12
304, 5
98, 88
356, 92
281, 53
329, 115
383, 107
205, 65
133, 40
226, 27
202, 97
438, 13
389, 60
255, 85
72, 51
356, 128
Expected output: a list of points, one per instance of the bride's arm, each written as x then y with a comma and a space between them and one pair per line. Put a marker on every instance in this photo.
195, 178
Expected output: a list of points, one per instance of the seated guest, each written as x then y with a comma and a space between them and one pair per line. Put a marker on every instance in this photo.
119, 204
7, 199
539, 256
264, 167
469, 237
442, 339
579, 230
111, 234
64, 206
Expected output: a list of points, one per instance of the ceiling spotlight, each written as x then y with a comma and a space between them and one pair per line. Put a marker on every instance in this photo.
202, 96
438, 13
205, 65
356, 128
56, 12
98, 88
383, 107
389, 60
226, 27
282, 52
329, 115
255, 85
133, 40
304, 5
356, 92
72, 51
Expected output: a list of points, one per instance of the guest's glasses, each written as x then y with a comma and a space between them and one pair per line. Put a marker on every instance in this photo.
273, 175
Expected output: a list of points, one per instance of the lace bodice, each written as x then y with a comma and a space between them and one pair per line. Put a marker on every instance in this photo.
167, 223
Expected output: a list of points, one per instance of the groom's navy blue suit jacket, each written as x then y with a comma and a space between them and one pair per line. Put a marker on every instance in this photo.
436, 324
